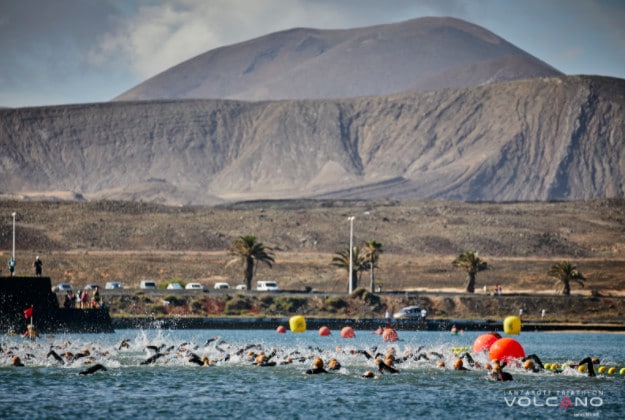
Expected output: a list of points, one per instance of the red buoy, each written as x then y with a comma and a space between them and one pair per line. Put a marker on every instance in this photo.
281, 329
347, 332
484, 341
506, 349
324, 331
389, 334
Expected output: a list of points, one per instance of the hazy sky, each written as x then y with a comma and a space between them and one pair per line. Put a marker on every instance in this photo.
75, 51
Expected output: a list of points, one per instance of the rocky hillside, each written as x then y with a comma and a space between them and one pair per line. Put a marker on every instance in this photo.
559, 138
303, 63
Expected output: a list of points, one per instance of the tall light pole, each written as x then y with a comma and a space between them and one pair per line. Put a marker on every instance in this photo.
351, 250
13, 257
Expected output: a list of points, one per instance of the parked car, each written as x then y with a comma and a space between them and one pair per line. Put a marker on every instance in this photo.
266, 286
241, 287
113, 285
91, 287
63, 287
222, 285
409, 312
194, 286
147, 284
174, 286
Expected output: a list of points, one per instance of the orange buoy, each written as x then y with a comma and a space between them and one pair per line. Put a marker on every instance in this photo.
281, 329
506, 349
324, 331
484, 341
347, 332
389, 334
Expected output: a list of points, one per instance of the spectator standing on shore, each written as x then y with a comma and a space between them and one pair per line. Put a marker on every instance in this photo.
38, 264
70, 299
95, 301
12, 266
84, 299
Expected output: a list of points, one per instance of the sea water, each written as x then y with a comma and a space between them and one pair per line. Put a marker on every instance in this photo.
172, 387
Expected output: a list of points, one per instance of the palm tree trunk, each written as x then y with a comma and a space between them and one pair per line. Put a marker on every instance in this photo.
566, 290
249, 272
471, 283
371, 277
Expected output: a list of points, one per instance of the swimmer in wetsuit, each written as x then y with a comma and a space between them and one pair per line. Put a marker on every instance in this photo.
497, 372
317, 367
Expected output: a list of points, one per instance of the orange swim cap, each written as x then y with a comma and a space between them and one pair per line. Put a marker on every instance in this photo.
318, 363
458, 364
529, 365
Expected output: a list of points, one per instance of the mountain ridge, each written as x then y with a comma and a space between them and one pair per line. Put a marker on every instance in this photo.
558, 138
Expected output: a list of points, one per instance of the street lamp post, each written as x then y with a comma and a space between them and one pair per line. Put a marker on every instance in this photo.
351, 250
13, 256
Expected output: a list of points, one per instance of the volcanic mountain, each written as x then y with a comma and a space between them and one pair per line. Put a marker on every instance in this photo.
419, 54
424, 109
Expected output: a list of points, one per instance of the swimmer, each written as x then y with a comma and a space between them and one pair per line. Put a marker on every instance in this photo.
152, 359
16, 361
459, 365
55, 355
498, 374
210, 340
317, 367
263, 361
369, 375
532, 363
383, 367
124, 344
589, 362
92, 369
334, 364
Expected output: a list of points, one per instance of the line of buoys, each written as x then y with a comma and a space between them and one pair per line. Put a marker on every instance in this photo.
613, 370
458, 350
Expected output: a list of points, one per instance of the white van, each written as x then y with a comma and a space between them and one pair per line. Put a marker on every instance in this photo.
222, 285
147, 284
266, 286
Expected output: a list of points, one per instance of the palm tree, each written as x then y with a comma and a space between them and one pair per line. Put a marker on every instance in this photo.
341, 260
472, 264
250, 251
373, 249
565, 273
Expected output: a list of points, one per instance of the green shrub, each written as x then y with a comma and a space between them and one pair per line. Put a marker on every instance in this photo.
335, 302
289, 303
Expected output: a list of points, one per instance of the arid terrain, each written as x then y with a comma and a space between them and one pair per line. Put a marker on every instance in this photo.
96, 242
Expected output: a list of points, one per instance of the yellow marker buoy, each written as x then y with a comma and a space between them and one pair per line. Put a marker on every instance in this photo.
297, 324
602, 369
622, 371
512, 325
554, 366
611, 371
547, 366
582, 368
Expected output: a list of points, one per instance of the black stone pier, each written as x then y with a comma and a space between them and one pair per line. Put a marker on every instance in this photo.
19, 293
